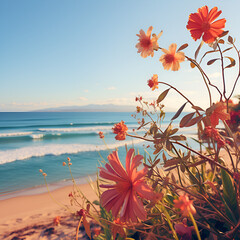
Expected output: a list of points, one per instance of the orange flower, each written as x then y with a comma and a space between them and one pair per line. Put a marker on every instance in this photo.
121, 130
185, 205
201, 23
56, 220
101, 134
117, 228
146, 44
123, 196
216, 112
138, 109
171, 58
153, 82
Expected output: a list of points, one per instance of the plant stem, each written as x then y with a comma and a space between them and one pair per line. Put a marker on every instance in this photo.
195, 226
235, 83
203, 75
223, 76
58, 203
77, 230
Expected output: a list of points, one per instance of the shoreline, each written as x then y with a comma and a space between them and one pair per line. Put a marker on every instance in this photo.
35, 212
43, 189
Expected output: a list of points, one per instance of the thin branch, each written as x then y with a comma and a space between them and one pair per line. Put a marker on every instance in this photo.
223, 76
235, 83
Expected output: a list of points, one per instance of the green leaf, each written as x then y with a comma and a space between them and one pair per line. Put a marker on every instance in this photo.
162, 95
96, 202
179, 111
229, 193
169, 198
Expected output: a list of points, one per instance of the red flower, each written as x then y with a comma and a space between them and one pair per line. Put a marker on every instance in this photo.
171, 58
213, 133
123, 196
234, 121
216, 112
185, 205
201, 23
81, 213
146, 44
101, 134
153, 82
121, 130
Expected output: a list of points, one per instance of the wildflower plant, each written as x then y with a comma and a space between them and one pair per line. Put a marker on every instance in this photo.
193, 193
176, 191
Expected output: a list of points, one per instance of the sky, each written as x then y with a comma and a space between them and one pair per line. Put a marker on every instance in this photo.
73, 52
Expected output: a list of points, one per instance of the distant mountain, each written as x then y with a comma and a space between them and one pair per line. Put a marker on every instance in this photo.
91, 108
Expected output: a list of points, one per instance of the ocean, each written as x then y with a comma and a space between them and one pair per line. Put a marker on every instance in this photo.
30, 141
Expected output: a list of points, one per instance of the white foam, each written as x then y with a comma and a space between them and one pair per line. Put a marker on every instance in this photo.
55, 149
83, 129
37, 136
14, 134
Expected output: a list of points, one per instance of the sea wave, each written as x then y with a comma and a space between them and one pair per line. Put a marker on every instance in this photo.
14, 134
55, 149
82, 129
71, 124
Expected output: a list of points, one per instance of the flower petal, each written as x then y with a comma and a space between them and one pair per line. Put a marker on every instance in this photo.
138, 208
144, 191
213, 14
129, 157
117, 165
107, 175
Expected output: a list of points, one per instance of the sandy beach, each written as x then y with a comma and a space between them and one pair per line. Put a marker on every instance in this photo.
31, 217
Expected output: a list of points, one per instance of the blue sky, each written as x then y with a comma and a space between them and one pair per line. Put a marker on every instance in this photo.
72, 52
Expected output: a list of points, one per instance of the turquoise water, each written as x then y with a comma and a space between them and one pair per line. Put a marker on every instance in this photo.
30, 141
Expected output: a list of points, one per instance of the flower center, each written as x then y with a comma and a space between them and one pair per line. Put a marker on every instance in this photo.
169, 58
146, 42
205, 26
150, 83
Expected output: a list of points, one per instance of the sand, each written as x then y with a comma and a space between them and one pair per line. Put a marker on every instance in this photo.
31, 217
